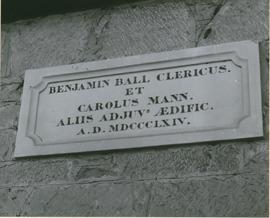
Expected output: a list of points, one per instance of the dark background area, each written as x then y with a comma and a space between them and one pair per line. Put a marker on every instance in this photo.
13, 10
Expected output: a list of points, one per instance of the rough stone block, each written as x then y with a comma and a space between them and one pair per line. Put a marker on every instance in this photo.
179, 161
25, 172
101, 199
92, 167
238, 195
146, 28
14, 200
151, 163
7, 144
9, 116
264, 64
54, 40
255, 156
7, 205
172, 162
223, 195
237, 20
5, 51
10, 91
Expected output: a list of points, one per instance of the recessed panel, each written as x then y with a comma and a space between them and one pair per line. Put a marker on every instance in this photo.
192, 95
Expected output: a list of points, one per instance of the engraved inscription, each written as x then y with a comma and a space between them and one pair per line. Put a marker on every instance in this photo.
177, 99
186, 96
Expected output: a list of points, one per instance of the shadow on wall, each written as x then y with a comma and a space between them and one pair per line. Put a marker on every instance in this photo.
13, 10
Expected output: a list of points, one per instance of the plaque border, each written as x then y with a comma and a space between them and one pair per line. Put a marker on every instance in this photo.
244, 53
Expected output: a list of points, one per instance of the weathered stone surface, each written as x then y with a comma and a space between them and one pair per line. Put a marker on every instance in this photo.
179, 161
57, 40
21, 172
7, 206
91, 167
255, 155
98, 34
203, 13
147, 28
237, 195
13, 200
9, 116
174, 162
7, 144
264, 64
238, 20
224, 195
105, 199
154, 163
5, 51
142, 28
10, 91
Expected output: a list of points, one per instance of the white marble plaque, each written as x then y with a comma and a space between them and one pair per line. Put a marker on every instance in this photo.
193, 95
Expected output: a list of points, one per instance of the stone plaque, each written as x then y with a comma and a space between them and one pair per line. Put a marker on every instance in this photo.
193, 95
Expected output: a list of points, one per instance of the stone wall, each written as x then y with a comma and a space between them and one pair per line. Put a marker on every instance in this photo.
227, 178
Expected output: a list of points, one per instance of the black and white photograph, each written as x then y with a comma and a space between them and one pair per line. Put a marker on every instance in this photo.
134, 108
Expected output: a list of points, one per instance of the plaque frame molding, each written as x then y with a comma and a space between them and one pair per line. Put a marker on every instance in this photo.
243, 54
